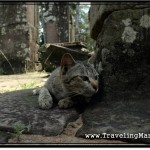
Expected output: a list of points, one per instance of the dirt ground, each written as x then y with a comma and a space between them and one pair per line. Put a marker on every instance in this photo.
21, 81
31, 80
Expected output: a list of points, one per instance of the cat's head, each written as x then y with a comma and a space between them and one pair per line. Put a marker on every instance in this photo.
78, 77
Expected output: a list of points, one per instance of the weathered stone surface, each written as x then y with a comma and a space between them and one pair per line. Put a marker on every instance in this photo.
18, 34
123, 60
99, 11
57, 22
124, 113
123, 51
4, 137
22, 107
52, 51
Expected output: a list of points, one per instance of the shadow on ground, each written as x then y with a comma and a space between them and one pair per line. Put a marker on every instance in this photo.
121, 114
21, 106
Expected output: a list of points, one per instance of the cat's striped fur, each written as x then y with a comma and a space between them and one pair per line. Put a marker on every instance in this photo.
72, 78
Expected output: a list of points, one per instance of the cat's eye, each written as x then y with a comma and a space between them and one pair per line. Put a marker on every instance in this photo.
84, 78
67, 81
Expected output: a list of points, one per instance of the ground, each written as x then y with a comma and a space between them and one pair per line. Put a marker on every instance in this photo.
36, 79
21, 81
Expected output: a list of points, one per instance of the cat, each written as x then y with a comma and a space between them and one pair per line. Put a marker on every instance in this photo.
72, 78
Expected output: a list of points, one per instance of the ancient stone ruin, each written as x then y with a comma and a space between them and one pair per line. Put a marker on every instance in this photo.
18, 37
57, 22
20, 28
122, 33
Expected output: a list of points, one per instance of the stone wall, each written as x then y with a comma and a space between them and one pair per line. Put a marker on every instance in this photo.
123, 61
122, 34
57, 22
32, 19
99, 11
18, 35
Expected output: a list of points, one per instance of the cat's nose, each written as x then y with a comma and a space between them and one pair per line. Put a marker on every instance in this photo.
94, 84
95, 87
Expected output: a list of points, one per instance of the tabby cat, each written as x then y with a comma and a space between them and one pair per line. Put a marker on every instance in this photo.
72, 78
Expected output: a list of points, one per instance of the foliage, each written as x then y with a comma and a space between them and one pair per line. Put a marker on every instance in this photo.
19, 128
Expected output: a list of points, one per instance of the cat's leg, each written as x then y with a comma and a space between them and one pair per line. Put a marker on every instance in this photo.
45, 99
65, 103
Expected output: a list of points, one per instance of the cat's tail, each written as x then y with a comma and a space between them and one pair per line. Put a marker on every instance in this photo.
36, 91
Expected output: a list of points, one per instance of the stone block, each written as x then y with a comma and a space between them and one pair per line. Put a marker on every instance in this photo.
21, 106
17, 31
99, 11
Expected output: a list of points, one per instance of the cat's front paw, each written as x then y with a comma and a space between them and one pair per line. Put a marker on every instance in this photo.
45, 103
65, 103
45, 100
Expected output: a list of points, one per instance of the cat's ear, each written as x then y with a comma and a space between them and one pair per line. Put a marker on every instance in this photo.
92, 59
67, 62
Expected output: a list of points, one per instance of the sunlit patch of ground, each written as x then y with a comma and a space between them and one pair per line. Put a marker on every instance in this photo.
21, 81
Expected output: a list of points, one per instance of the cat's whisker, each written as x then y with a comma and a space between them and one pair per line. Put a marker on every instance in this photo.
70, 96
